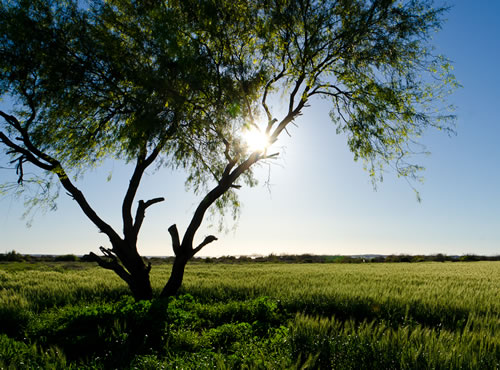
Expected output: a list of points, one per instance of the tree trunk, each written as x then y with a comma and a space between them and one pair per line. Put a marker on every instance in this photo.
138, 272
176, 276
140, 285
129, 266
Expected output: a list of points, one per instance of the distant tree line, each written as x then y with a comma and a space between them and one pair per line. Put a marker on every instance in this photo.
14, 256
309, 258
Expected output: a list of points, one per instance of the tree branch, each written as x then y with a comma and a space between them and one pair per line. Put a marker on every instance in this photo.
25, 152
142, 163
223, 185
266, 91
34, 155
209, 239
317, 90
298, 83
112, 264
11, 120
141, 212
227, 147
174, 234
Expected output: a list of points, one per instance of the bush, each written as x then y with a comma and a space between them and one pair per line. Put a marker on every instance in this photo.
12, 256
66, 258
469, 258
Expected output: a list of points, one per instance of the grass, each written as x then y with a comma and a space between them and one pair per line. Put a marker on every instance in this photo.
254, 315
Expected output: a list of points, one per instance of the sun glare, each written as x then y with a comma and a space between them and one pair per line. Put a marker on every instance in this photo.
256, 140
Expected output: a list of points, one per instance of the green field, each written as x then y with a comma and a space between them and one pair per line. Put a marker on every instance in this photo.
254, 315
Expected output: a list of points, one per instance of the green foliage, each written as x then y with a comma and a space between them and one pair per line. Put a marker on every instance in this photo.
16, 354
259, 315
349, 345
46, 286
118, 78
14, 312
230, 334
98, 330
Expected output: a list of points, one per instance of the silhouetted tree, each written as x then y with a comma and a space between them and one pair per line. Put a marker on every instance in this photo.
177, 83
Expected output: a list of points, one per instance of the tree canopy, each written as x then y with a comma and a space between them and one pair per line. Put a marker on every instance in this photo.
178, 83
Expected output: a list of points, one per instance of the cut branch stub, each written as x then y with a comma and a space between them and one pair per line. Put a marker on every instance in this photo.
174, 234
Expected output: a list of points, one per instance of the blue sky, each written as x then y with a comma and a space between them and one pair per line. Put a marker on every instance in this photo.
320, 200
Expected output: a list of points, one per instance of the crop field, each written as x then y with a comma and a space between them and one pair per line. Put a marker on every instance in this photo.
254, 315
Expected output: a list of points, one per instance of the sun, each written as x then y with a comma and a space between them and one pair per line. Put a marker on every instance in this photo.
256, 140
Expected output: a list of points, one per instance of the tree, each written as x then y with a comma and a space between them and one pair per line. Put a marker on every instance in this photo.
180, 82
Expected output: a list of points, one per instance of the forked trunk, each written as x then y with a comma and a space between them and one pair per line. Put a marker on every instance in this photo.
138, 271
124, 260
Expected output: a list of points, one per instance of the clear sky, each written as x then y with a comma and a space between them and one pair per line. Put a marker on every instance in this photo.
321, 201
